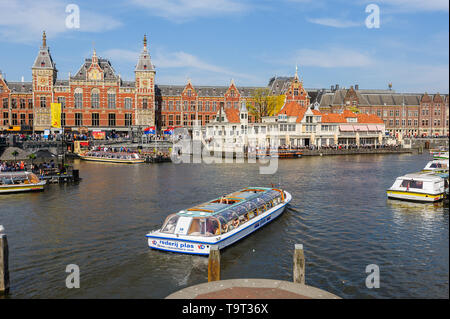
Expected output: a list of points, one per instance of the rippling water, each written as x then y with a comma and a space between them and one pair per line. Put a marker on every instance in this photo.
339, 212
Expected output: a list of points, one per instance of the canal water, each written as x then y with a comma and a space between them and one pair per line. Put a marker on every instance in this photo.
339, 212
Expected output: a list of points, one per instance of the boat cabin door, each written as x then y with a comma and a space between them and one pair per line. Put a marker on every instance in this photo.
183, 225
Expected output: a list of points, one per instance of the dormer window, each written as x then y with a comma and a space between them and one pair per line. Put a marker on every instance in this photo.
145, 67
42, 63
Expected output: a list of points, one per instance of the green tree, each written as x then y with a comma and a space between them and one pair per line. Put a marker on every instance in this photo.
15, 153
264, 104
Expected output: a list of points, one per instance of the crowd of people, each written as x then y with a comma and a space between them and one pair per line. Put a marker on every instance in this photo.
20, 166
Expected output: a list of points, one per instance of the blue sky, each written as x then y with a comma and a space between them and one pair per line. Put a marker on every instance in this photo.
214, 41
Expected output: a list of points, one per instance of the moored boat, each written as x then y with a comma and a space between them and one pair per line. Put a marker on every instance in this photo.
420, 187
16, 182
437, 166
222, 221
112, 157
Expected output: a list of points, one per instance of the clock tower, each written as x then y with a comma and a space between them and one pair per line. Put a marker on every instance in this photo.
44, 77
145, 89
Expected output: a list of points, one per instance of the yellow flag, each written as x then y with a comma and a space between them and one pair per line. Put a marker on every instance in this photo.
56, 115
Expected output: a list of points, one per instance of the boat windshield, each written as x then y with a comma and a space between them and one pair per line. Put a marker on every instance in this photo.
170, 224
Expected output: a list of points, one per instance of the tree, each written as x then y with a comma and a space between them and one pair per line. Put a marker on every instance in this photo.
264, 104
32, 157
15, 153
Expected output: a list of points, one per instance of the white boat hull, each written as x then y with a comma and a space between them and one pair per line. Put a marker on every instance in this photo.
189, 245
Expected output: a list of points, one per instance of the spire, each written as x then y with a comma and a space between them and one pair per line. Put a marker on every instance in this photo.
44, 59
144, 61
296, 71
94, 57
44, 40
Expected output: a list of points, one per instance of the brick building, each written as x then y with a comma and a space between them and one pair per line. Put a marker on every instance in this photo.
97, 98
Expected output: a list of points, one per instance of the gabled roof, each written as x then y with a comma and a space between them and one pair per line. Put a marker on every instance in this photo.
232, 115
293, 109
104, 64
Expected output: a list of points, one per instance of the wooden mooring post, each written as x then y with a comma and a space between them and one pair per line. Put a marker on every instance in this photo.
299, 264
214, 264
4, 269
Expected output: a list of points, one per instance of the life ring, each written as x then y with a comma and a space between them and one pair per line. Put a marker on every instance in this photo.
236, 223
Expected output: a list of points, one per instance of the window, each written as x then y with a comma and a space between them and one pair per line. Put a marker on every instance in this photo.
5, 103
62, 101
170, 119
185, 119
185, 106
78, 96
95, 99
228, 105
30, 119
63, 119
144, 103
397, 113
112, 119
163, 105
295, 91
178, 119
170, 105
163, 120
14, 104
128, 119
22, 119
191, 122
391, 113
78, 119
43, 101
200, 106
111, 100
178, 105
214, 106
5, 118
95, 119
22, 103
14, 119
193, 106
128, 102
206, 119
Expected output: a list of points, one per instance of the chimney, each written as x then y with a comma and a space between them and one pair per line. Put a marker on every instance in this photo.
332, 88
356, 87
337, 87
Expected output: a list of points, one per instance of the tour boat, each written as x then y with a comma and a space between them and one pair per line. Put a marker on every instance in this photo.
440, 155
221, 222
15, 182
421, 187
437, 166
111, 157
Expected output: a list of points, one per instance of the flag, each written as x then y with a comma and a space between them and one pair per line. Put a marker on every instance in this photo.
150, 130
169, 131
56, 115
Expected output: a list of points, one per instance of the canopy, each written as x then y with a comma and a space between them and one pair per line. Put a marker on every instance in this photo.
346, 128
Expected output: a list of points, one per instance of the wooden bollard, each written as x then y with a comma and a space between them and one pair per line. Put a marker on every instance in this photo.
4, 269
299, 265
214, 264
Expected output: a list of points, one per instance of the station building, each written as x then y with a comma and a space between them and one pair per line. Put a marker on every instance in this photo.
96, 97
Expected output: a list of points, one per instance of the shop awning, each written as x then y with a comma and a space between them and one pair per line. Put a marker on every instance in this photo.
346, 128
360, 128
373, 128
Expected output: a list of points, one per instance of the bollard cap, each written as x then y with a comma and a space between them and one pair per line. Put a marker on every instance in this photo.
2, 229
298, 246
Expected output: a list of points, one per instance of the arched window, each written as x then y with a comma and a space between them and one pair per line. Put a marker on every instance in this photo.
111, 99
95, 98
78, 95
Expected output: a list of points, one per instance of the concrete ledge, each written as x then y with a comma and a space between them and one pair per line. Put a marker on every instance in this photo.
251, 289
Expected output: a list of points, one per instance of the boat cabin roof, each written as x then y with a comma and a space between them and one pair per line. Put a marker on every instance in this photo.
426, 177
246, 199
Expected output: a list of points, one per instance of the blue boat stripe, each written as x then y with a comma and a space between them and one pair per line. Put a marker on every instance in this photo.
214, 243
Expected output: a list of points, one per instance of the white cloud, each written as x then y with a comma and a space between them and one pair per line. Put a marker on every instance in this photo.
188, 63
332, 58
184, 10
24, 20
415, 5
336, 23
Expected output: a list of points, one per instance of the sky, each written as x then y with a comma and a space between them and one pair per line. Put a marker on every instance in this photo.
212, 42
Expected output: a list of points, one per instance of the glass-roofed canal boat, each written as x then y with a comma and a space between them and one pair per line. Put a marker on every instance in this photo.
16, 182
221, 222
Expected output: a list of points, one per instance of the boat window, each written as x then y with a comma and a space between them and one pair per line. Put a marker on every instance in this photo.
200, 227
170, 224
412, 184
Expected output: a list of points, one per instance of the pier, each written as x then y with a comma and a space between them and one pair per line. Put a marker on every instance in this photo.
250, 288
